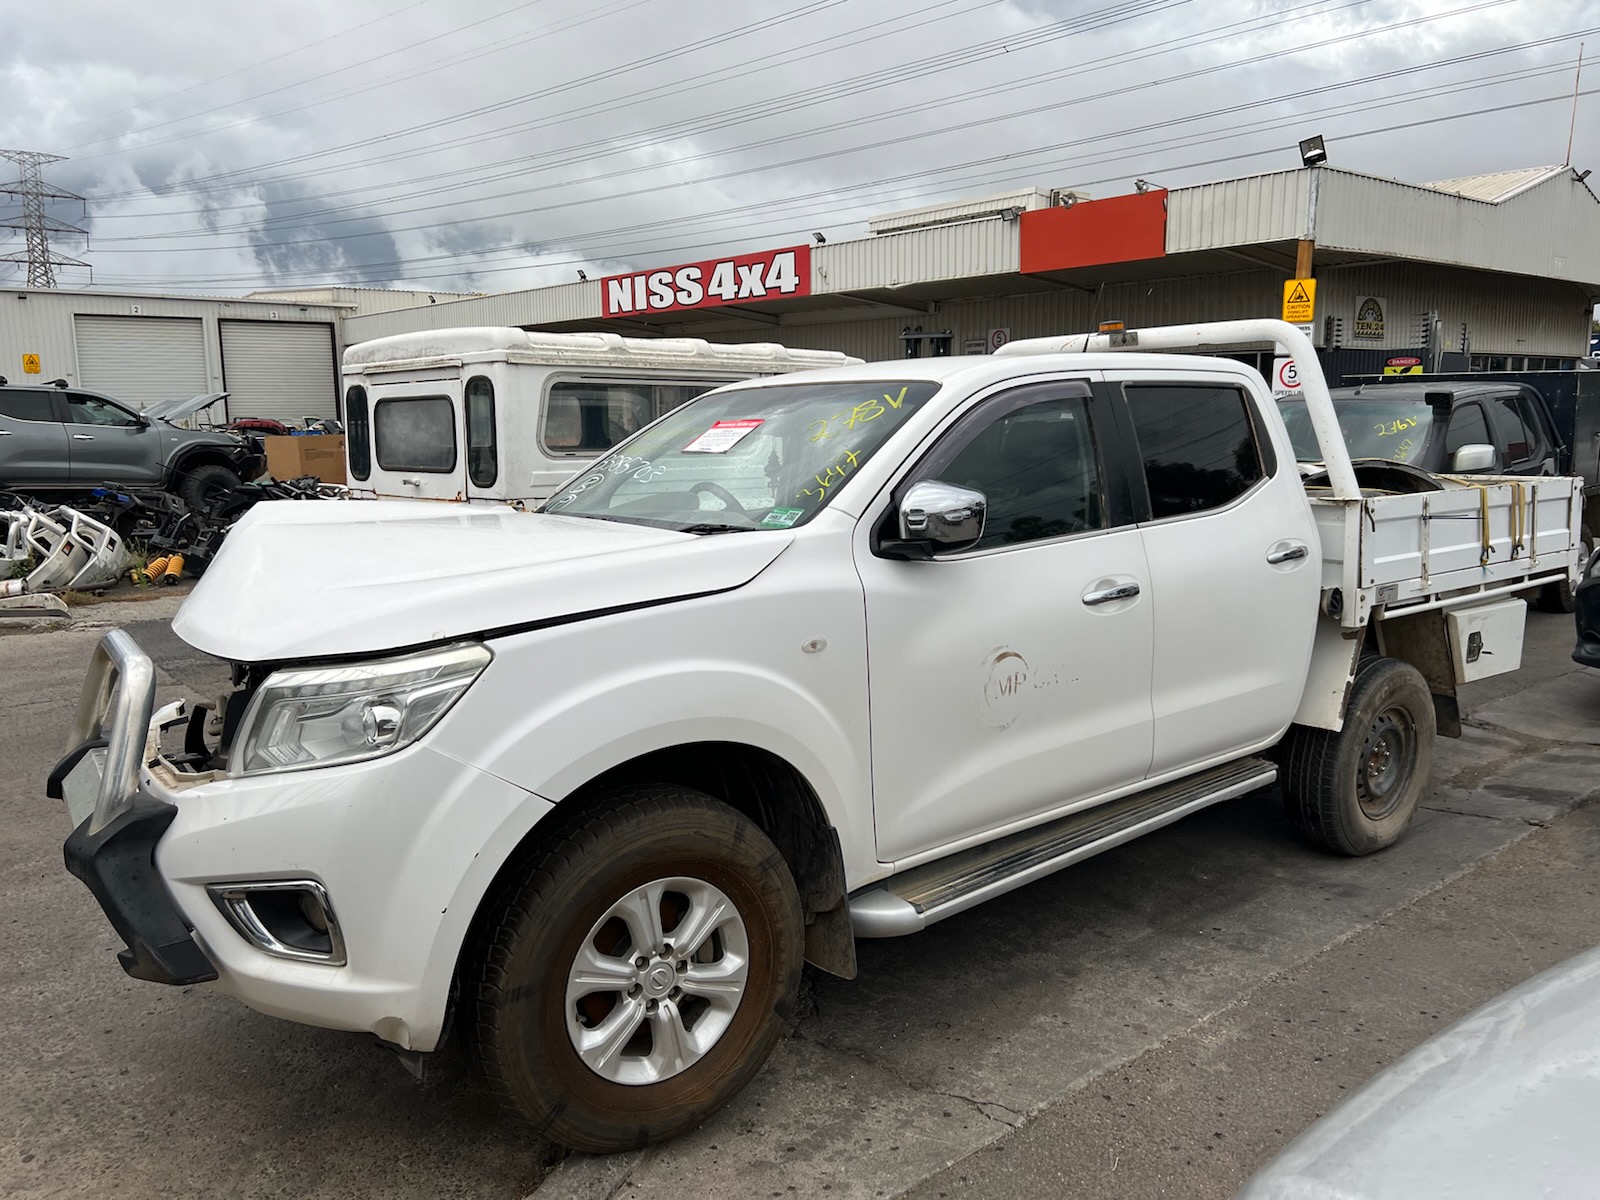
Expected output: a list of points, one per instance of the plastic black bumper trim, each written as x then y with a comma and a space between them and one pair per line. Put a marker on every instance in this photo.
117, 864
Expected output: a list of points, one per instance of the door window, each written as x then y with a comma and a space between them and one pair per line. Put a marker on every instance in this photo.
22, 405
359, 434
1198, 446
1467, 428
1510, 434
84, 409
1035, 463
415, 435
483, 457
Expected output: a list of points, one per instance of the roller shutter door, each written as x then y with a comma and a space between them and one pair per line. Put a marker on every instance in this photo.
279, 369
141, 359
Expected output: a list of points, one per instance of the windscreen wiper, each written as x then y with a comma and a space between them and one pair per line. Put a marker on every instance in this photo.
712, 527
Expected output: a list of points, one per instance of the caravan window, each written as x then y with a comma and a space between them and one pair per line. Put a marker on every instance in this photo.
483, 466
358, 432
589, 416
415, 435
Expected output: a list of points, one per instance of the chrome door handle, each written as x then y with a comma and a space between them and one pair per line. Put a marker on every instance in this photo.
1288, 554
83, 437
1123, 591
5, 433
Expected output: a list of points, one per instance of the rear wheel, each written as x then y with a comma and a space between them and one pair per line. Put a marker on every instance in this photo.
205, 485
640, 973
1355, 791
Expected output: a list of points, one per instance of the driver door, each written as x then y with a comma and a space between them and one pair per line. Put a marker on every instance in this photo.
1011, 679
107, 443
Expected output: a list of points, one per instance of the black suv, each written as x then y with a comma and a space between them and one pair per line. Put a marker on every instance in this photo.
55, 438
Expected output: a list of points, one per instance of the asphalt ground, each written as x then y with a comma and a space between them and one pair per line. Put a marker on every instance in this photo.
1157, 1021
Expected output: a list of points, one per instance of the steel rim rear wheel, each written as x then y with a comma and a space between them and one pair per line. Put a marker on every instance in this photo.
1388, 758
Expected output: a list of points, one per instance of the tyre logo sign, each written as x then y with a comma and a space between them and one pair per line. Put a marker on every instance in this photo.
742, 279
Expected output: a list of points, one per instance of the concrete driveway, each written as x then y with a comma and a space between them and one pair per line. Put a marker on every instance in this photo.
984, 1057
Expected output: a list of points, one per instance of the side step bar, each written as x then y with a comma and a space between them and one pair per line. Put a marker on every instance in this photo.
917, 898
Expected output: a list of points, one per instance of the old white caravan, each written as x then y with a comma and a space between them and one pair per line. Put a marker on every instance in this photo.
492, 414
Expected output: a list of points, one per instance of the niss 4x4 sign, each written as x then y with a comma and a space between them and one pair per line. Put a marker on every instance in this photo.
736, 280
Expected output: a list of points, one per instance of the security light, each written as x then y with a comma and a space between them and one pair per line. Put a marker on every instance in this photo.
1312, 152
582, 277
819, 238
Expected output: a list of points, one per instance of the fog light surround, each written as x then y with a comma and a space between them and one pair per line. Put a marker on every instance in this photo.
286, 918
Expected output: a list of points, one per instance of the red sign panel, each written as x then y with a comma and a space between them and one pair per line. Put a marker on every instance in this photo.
741, 279
1093, 233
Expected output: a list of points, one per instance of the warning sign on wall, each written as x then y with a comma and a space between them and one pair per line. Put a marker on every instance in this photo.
1299, 300
30, 364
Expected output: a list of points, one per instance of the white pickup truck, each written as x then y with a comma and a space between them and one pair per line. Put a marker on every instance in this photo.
812, 658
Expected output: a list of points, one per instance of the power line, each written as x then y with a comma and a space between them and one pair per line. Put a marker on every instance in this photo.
1167, 167
804, 160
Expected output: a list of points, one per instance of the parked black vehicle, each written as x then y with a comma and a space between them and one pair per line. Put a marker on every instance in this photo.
57, 439
1463, 426
1451, 427
1587, 598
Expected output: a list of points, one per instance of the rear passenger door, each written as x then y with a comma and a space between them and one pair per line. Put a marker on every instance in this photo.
33, 444
1234, 563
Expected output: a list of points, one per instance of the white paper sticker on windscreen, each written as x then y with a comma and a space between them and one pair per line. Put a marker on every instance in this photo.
722, 437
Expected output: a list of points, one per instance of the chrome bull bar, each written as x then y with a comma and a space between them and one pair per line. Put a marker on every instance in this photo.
121, 686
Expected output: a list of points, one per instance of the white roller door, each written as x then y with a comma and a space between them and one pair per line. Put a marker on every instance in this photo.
279, 369
141, 359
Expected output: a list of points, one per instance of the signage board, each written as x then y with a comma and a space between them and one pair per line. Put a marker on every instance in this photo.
1403, 364
998, 338
1369, 317
713, 283
1299, 300
1285, 377
30, 364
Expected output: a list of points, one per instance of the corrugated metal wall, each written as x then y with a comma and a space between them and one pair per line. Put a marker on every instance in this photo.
1537, 232
972, 248
1262, 208
1505, 314
41, 322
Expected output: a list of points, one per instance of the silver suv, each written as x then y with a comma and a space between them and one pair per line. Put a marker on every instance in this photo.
55, 438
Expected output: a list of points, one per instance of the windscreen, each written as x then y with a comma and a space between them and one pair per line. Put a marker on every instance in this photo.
757, 458
1373, 427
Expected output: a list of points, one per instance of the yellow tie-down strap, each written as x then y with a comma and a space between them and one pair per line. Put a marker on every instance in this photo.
1521, 519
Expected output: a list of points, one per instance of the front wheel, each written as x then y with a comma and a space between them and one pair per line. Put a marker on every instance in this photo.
205, 485
1356, 791
640, 973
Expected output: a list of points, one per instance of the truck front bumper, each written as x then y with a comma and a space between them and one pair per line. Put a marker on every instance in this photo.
384, 844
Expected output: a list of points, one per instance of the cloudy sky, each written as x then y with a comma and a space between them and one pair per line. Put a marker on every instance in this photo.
484, 145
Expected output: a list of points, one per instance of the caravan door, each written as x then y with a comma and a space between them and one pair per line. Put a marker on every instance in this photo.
418, 439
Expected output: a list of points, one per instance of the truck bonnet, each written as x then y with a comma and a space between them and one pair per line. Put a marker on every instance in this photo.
338, 578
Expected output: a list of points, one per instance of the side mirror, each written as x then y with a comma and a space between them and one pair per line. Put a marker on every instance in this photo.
947, 516
1473, 458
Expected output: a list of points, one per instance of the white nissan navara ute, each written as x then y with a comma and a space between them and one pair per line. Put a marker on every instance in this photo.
810, 658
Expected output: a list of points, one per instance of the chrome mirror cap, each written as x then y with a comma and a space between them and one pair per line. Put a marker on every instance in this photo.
942, 513
1470, 458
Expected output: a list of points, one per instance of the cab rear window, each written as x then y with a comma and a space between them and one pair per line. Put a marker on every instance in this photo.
415, 434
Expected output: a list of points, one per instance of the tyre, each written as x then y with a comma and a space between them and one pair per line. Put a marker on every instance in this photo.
1557, 597
205, 485
639, 973
1355, 791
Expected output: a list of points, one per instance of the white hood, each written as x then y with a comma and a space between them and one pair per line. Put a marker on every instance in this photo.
312, 579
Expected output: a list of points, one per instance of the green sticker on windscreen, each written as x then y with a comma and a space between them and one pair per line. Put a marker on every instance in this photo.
782, 518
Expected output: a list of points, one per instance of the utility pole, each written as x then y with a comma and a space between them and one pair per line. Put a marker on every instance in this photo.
36, 224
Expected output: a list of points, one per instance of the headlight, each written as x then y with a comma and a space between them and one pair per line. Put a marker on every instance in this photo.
318, 716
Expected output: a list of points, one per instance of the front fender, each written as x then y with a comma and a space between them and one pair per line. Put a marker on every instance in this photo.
559, 707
